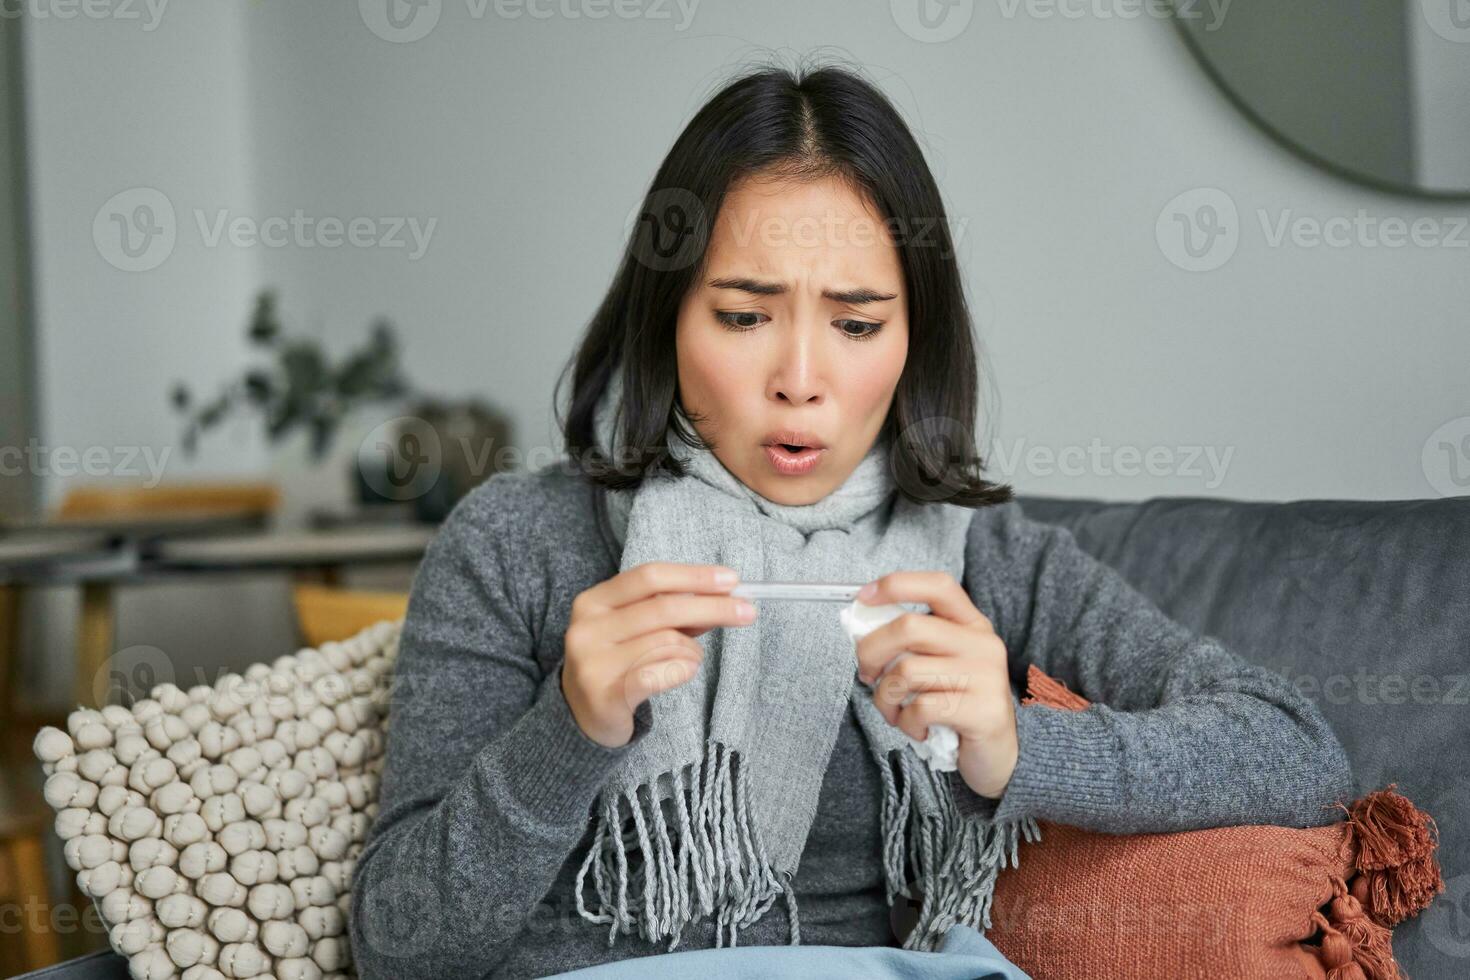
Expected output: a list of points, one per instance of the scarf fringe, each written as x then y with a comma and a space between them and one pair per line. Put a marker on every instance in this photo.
956, 858
718, 866
713, 861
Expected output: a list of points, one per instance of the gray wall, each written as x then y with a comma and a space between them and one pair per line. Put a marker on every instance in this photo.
1307, 370
17, 485
1060, 143
1074, 153
114, 106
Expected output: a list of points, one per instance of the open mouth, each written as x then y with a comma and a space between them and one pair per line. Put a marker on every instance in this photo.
792, 459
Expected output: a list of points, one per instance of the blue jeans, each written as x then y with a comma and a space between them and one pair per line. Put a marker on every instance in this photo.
963, 954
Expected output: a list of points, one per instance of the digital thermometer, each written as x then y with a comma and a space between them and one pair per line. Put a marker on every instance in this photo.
798, 591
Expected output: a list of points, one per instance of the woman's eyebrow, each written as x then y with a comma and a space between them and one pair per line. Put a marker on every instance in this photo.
856, 297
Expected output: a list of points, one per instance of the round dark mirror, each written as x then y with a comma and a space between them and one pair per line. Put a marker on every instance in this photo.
1374, 90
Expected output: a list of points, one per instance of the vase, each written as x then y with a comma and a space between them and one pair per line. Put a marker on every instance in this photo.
312, 485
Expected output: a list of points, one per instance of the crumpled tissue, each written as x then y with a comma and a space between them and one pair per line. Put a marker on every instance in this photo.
941, 749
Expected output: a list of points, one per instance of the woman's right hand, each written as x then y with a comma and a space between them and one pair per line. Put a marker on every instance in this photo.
633, 635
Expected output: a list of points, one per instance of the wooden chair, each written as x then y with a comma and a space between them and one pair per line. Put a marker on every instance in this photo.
108, 500
125, 502
324, 614
25, 822
121, 502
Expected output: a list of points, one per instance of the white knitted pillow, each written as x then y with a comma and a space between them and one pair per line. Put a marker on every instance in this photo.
217, 828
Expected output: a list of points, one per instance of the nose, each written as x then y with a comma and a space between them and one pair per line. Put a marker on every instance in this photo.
799, 374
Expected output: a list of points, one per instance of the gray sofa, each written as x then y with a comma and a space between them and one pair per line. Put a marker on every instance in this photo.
1366, 605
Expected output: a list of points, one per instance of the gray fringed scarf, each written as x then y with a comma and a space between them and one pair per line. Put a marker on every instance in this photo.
722, 789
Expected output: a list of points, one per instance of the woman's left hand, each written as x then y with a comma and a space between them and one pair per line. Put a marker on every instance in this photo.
956, 670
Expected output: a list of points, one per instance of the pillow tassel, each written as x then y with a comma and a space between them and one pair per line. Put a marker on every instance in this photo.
1393, 870
1398, 874
1353, 945
1337, 954
1046, 690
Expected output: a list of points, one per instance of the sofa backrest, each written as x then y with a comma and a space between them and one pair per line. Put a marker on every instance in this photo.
1365, 606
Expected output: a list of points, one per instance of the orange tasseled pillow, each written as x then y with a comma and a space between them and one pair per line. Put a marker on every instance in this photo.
1243, 902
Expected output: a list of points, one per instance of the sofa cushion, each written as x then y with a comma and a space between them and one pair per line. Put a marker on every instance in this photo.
218, 828
1364, 605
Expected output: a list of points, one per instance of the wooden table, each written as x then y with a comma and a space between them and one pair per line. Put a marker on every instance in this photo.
131, 525
100, 564
86, 551
24, 550
325, 549
24, 557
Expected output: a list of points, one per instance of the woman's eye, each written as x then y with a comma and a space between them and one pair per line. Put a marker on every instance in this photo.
738, 319
749, 319
859, 329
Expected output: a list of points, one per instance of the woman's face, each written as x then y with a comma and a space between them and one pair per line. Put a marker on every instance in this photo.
796, 333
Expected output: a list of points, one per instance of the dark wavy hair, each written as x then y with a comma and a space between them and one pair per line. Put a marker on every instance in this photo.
775, 123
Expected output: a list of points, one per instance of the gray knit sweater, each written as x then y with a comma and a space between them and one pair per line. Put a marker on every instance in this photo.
488, 786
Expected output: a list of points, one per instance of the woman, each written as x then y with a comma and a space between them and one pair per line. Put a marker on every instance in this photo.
598, 753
